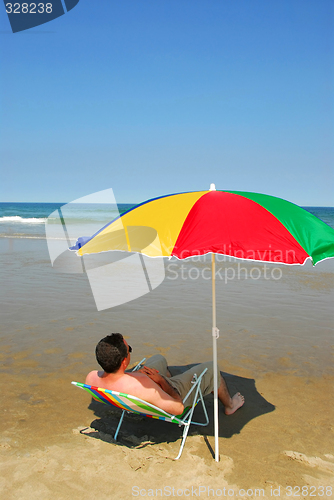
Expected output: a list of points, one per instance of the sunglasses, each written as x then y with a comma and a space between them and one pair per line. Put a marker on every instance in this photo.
130, 348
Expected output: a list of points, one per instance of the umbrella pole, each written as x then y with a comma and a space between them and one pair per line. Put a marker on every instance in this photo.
215, 334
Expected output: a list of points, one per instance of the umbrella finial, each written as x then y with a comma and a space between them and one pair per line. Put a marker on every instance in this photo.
212, 187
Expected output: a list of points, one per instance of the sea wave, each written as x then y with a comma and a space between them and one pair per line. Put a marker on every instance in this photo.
23, 220
25, 237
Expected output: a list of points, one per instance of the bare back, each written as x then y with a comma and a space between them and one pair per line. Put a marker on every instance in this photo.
137, 384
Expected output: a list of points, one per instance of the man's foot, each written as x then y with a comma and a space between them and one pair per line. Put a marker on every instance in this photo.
237, 401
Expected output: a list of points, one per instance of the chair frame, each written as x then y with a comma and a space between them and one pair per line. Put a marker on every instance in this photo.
184, 420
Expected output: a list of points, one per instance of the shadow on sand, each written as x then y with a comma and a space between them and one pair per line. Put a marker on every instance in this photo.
139, 431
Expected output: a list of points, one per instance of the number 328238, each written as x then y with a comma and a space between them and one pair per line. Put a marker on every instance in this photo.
31, 8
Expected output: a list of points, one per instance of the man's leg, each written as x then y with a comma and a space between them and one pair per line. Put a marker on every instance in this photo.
231, 403
182, 383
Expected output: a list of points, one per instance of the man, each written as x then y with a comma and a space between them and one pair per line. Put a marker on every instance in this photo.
153, 383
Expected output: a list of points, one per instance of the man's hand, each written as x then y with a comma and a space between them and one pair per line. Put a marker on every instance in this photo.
152, 373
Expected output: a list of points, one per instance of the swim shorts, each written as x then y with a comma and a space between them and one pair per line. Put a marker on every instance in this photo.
182, 382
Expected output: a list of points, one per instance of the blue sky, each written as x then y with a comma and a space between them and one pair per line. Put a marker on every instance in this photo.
151, 97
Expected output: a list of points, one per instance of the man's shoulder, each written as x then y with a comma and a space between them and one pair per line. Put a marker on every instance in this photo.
92, 378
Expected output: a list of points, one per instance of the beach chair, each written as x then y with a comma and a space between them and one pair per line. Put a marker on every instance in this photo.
132, 404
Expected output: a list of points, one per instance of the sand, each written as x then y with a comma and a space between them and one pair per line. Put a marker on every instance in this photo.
275, 348
56, 444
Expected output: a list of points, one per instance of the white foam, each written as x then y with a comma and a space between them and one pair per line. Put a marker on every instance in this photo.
21, 237
22, 220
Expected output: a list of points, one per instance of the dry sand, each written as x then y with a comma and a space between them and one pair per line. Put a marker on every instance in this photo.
55, 444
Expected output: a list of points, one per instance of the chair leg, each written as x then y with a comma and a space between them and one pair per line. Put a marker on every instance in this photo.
187, 425
204, 410
184, 437
119, 425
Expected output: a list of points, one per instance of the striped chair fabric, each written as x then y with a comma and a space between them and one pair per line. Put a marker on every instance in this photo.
132, 404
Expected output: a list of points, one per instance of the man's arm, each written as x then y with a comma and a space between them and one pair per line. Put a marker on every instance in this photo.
172, 404
160, 380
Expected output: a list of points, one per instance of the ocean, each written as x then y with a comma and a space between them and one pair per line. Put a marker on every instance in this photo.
283, 322
27, 220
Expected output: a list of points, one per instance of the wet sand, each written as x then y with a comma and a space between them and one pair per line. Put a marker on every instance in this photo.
275, 347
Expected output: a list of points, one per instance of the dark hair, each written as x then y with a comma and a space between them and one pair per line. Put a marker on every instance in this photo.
110, 352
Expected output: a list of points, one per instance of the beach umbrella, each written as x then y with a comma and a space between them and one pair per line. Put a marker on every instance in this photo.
243, 225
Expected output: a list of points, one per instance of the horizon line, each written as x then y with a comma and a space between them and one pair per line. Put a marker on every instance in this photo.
132, 203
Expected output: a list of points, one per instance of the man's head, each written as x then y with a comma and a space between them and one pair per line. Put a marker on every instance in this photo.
111, 351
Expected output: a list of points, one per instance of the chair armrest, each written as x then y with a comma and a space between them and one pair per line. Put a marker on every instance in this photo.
139, 365
195, 384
